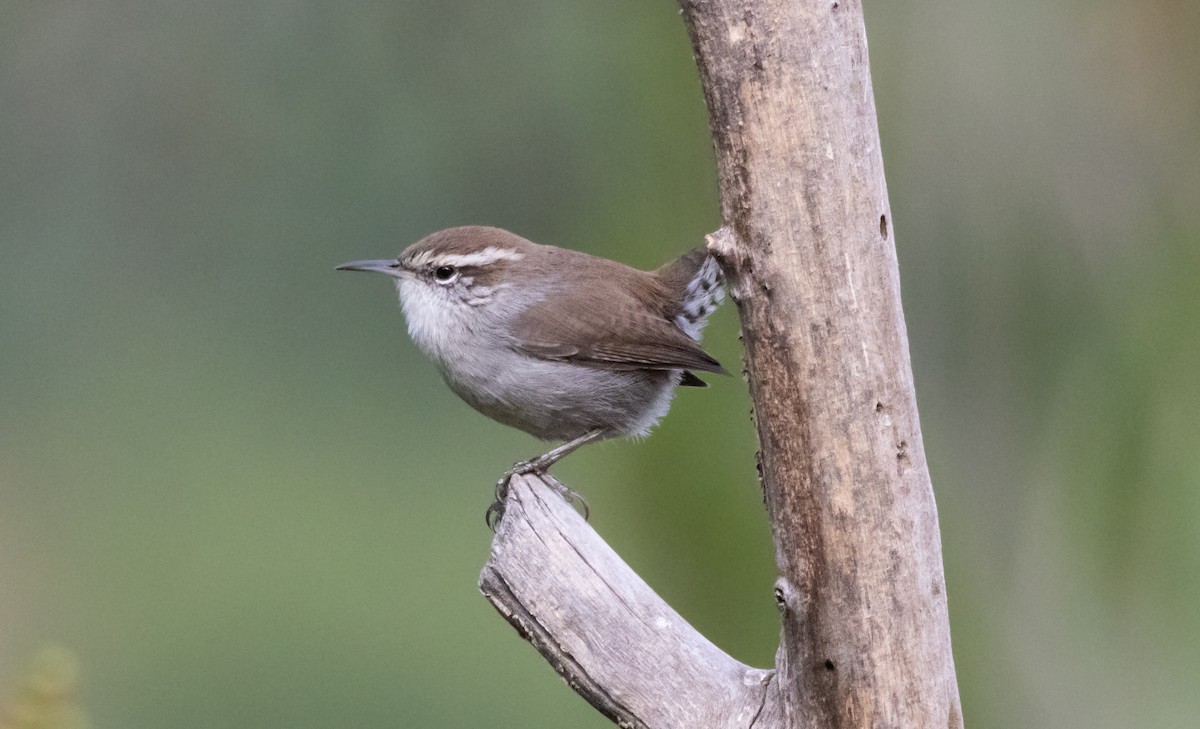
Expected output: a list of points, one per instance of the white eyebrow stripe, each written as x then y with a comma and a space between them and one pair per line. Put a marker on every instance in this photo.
488, 255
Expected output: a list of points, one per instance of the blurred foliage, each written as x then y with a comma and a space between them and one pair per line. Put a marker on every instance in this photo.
234, 487
46, 699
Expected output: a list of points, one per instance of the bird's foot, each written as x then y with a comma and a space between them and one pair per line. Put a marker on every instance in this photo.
570, 495
537, 466
495, 512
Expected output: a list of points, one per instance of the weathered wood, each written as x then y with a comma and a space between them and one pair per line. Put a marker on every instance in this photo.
604, 630
811, 263
810, 260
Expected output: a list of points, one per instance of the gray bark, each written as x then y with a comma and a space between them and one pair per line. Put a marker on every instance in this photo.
809, 254
603, 629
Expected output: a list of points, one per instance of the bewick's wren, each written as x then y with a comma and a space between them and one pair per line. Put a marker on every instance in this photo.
560, 344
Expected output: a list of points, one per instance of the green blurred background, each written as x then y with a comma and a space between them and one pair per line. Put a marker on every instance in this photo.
237, 493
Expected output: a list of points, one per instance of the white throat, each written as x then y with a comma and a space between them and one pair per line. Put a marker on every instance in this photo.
437, 325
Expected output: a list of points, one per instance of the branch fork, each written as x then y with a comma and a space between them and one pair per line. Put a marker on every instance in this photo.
810, 261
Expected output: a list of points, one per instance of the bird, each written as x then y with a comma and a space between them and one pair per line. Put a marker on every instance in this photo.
560, 344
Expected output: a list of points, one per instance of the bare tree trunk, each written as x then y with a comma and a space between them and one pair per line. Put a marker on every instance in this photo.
812, 266
811, 263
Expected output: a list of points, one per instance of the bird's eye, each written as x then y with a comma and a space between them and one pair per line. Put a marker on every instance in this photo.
445, 274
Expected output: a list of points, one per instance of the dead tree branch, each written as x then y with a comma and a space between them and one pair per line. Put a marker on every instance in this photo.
809, 254
603, 629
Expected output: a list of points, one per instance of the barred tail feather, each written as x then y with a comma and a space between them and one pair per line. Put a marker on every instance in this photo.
703, 293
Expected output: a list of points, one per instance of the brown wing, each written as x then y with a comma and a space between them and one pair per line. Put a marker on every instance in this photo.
654, 345
609, 326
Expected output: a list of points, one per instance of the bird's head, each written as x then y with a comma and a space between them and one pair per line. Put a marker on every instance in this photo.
458, 278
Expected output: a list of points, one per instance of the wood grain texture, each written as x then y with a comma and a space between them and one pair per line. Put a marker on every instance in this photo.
605, 631
811, 262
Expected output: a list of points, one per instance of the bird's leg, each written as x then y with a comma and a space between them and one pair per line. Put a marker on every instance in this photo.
540, 465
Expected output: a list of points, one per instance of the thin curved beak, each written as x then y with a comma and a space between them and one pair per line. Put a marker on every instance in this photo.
391, 268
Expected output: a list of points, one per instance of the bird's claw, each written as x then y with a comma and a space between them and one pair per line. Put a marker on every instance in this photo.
495, 512
493, 515
571, 496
